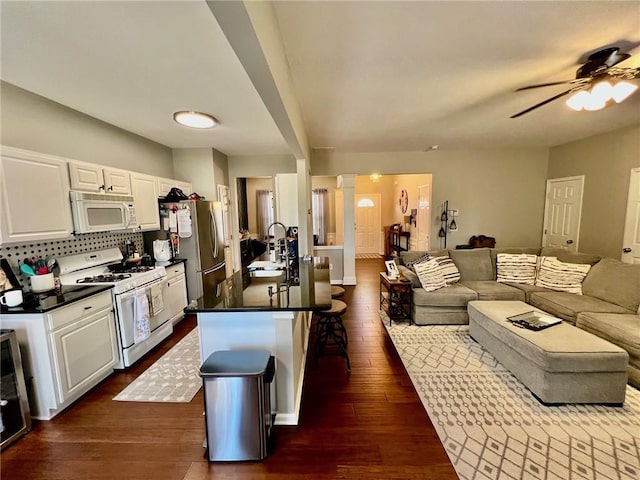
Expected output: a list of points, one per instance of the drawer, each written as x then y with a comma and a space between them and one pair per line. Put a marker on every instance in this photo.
79, 310
174, 270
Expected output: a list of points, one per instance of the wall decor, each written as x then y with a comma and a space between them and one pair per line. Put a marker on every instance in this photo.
404, 201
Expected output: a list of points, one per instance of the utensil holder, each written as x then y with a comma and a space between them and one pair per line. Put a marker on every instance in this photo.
42, 283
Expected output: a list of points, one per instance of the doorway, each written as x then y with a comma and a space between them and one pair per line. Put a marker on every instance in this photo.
368, 224
562, 211
631, 239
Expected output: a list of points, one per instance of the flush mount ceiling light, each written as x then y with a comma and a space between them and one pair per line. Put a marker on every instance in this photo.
600, 94
374, 177
195, 119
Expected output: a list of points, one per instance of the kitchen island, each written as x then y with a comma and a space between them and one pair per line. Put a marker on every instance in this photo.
267, 315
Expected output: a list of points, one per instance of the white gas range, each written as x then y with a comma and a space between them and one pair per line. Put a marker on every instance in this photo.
105, 267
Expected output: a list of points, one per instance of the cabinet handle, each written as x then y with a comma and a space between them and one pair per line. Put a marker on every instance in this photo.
110, 188
89, 307
626, 250
101, 187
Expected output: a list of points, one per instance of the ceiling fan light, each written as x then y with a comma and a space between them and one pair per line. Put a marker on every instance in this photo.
578, 100
195, 119
595, 103
601, 93
622, 90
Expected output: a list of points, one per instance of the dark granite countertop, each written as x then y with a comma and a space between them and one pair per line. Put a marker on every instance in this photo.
313, 292
44, 302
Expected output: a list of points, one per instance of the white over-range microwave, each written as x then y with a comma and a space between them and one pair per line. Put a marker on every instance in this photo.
93, 212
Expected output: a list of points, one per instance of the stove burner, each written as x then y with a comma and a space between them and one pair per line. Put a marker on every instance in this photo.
104, 278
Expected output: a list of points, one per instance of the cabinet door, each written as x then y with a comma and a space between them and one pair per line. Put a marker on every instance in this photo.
117, 181
34, 197
145, 192
86, 177
166, 184
83, 352
176, 297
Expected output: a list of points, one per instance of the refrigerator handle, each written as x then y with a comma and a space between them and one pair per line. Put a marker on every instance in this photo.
214, 247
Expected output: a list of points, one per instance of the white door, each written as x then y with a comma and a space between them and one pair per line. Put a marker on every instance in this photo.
223, 196
422, 220
562, 210
631, 239
368, 224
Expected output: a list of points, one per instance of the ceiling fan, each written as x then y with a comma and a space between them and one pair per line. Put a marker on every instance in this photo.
599, 66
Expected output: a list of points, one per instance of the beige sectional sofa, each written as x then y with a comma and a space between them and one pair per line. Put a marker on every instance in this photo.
609, 306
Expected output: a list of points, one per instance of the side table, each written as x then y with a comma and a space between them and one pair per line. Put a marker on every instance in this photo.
396, 297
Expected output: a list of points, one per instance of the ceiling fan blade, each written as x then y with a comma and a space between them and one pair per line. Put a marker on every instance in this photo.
548, 100
529, 87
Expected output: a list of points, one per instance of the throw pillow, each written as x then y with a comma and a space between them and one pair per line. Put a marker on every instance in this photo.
429, 274
448, 270
517, 268
421, 259
565, 277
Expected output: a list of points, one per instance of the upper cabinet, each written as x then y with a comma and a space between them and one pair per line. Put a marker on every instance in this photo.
166, 184
34, 192
145, 192
98, 179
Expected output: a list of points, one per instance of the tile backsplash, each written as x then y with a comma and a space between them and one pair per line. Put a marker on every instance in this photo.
16, 253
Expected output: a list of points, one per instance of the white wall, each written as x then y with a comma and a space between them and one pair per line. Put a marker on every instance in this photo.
499, 192
606, 161
35, 123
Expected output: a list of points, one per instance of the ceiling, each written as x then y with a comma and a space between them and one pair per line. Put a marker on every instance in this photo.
367, 76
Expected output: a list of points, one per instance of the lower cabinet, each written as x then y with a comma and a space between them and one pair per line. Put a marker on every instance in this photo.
84, 351
66, 351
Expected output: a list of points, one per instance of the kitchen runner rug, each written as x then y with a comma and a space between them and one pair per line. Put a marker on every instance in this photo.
493, 428
174, 377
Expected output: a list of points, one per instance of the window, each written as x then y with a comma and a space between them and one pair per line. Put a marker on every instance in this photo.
319, 202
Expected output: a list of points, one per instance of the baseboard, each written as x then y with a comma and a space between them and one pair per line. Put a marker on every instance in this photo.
349, 281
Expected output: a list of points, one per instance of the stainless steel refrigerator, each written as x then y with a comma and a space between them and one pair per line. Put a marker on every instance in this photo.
203, 249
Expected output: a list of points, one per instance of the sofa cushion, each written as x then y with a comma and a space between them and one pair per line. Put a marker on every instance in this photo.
567, 305
516, 268
513, 250
456, 295
527, 289
569, 257
492, 290
561, 276
473, 264
448, 270
430, 276
420, 259
410, 275
614, 281
621, 329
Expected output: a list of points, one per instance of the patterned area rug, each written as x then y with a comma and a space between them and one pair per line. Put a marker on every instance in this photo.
493, 428
175, 377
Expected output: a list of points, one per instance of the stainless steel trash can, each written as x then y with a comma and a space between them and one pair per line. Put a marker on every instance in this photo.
237, 403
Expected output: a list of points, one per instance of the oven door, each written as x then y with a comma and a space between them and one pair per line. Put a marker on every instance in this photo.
125, 312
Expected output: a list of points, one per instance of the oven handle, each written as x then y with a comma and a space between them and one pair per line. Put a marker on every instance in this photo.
131, 293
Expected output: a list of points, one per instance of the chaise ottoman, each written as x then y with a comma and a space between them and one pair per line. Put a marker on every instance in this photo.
560, 364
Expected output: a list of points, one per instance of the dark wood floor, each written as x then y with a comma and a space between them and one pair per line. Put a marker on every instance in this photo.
369, 424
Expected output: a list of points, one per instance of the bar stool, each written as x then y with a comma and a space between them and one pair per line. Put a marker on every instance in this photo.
336, 292
331, 336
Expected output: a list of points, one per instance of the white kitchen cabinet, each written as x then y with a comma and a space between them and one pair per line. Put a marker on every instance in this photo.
145, 194
175, 294
34, 196
166, 184
66, 351
89, 177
